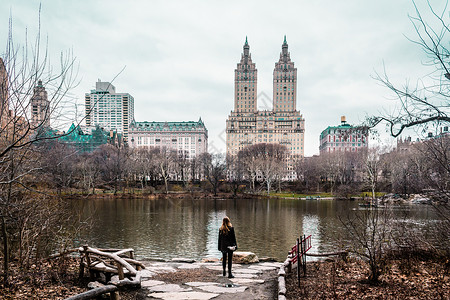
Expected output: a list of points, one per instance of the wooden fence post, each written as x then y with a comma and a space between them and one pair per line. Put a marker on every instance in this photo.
298, 261
302, 249
114, 295
80, 275
120, 271
88, 262
304, 255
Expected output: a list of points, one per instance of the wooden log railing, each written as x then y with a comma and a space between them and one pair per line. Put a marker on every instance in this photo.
342, 254
92, 294
63, 253
109, 261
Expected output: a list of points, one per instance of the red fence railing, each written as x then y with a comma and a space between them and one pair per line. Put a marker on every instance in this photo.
298, 254
304, 245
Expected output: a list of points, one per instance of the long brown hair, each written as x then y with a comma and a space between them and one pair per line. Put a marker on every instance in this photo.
226, 225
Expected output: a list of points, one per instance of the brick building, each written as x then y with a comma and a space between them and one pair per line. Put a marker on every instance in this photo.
344, 137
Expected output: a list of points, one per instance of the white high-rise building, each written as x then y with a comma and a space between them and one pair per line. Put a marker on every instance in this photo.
108, 109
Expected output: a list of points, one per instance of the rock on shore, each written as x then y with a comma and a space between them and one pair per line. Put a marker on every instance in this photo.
245, 258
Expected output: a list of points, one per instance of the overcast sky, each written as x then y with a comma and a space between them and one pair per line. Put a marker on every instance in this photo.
180, 56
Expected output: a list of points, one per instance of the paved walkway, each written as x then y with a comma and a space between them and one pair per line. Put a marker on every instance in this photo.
254, 281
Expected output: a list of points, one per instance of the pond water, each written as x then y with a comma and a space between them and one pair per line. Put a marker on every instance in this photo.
164, 229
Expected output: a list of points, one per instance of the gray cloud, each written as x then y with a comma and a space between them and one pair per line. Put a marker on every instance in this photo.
180, 56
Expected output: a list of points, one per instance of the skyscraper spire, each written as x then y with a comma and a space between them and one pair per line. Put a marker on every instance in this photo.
245, 82
246, 49
284, 48
284, 82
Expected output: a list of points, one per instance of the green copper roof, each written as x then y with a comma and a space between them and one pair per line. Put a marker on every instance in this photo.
344, 127
246, 40
284, 40
168, 126
75, 137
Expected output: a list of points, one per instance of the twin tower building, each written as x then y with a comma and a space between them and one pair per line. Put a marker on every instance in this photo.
246, 125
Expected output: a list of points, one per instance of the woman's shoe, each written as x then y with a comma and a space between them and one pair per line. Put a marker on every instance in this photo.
231, 276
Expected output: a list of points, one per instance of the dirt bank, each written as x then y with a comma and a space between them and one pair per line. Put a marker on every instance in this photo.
347, 280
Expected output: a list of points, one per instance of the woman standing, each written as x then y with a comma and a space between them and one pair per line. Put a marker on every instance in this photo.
227, 244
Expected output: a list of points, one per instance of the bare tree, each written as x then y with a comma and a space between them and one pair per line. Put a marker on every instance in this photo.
112, 163
426, 104
437, 154
267, 160
182, 166
58, 164
88, 171
398, 171
146, 164
369, 232
330, 168
273, 163
215, 169
419, 166
249, 159
165, 163
372, 166
308, 172
235, 172
197, 173
21, 69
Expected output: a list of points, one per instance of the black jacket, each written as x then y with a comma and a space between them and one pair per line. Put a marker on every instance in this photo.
226, 240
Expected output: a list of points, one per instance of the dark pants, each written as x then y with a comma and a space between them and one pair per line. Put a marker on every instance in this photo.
224, 260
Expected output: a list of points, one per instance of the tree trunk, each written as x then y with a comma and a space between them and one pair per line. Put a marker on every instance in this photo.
166, 185
115, 186
5, 252
182, 177
215, 185
96, 293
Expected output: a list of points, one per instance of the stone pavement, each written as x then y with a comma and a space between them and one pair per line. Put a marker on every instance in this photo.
253, 281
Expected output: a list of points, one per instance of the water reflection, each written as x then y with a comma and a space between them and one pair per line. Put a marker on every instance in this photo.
214, 223
311, 226
188, 228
